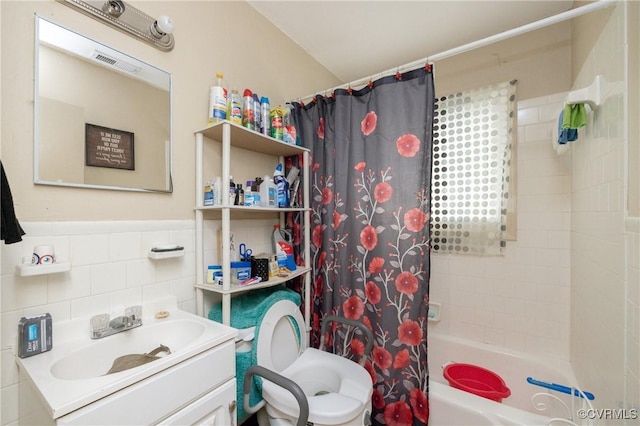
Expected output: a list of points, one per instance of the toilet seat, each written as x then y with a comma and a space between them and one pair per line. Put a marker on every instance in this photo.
338, 390
282, 336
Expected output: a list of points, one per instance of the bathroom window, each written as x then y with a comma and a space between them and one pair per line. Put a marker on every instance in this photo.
473, 183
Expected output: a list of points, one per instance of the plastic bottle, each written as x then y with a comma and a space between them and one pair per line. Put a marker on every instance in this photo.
265, 116
248, 119
239, 200
289, 134
276, 123
235, 107
284, 248
217, 101
208, 194
217, 194
267, 192
232, 191
256, 112
282, 188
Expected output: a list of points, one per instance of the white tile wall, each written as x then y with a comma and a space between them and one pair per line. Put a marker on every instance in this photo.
521, 300
604, 261
110, 271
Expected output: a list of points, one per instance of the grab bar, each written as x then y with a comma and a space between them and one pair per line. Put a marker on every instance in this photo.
330, 318
561, 388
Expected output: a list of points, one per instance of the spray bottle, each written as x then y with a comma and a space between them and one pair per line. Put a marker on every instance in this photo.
282, 188
283, 248
265, 118
235, 107
248, 119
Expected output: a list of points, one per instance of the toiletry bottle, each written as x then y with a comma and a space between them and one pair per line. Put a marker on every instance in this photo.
282, 188
232, 191
256, 112
265, 116
255, 188
208, 194
217, 100
248, 119
239, 201
267, 192
235, 107
217, 194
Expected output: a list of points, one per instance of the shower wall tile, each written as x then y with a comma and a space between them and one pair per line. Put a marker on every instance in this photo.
519, 300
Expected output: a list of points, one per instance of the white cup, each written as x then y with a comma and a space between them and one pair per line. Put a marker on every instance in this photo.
43, 255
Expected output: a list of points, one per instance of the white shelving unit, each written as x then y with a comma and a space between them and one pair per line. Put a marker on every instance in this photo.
230, 134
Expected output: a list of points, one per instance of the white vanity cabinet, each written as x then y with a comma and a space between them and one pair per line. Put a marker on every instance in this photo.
232, 135
171, 397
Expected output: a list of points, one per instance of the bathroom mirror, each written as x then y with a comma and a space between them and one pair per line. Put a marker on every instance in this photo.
102, 118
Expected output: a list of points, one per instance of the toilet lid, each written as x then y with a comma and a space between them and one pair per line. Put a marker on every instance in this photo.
281, 337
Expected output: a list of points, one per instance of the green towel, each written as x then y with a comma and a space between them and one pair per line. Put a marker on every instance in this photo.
575, 116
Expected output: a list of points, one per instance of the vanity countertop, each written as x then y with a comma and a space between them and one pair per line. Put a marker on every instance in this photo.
72, 374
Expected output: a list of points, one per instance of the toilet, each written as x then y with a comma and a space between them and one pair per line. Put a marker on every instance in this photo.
338, 390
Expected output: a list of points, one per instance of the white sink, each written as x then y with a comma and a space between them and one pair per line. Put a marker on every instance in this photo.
96, 358
73, 373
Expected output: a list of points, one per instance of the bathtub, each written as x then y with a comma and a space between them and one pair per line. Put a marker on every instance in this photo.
450, 406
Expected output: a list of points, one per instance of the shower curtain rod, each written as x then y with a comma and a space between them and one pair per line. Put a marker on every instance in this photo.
561, 17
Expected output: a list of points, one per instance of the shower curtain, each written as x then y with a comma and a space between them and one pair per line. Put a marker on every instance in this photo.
370, 197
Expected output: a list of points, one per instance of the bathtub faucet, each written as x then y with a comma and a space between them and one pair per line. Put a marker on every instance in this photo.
102, 325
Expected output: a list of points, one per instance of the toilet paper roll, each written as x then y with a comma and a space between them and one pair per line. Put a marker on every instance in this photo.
43, 255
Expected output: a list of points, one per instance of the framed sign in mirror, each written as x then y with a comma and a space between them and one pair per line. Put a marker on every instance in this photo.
105, 147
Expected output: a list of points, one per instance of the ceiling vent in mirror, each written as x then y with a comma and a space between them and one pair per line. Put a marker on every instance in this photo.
116, 63
126, 18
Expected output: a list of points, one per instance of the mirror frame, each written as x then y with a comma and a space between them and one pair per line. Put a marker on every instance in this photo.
36, 119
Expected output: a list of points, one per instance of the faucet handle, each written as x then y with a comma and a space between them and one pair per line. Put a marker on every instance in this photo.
99, 322
134, 312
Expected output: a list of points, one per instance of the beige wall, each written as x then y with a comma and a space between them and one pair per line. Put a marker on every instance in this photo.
210, 36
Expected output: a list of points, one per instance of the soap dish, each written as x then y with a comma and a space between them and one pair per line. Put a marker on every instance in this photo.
166, 252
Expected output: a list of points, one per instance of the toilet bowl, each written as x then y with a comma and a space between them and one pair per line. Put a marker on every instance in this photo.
337, 389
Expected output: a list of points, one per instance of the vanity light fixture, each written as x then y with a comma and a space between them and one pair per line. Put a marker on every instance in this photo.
126, 18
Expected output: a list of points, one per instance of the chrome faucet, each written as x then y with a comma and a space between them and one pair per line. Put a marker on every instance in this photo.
102, 325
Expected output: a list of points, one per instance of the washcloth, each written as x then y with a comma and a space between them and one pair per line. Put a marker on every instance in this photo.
10, 229
575, 116
565, 135
248, 310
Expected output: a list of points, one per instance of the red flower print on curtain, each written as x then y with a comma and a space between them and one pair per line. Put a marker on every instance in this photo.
370, 190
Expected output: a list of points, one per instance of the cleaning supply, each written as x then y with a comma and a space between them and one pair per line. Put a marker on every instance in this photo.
248, 118
289, 134
265, 116
282, 188
256, 112
283, 248
267, 192
217, 101
235, 107
276, 123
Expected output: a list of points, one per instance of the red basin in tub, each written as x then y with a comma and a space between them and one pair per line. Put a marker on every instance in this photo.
476, 380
